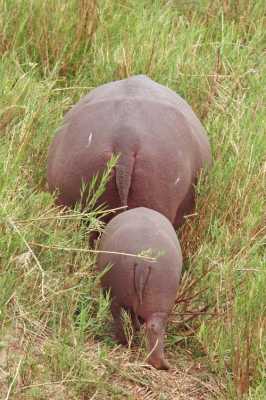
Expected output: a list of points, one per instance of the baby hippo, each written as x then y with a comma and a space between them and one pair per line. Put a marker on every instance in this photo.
146, 261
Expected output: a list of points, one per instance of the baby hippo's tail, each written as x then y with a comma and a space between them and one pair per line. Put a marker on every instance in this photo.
141, 277
124, 170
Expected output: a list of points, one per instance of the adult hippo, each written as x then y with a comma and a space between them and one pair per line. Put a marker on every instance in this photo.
161, 142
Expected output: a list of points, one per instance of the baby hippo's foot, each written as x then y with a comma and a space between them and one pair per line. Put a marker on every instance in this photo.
120, 337
117, 316
119, 332
159, 363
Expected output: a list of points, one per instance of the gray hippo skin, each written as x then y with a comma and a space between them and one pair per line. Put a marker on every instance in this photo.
147, 289
161, 142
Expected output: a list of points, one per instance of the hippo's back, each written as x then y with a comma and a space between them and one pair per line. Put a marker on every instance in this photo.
145, 225
139, 87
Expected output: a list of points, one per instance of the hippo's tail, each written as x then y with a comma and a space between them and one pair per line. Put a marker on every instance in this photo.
141, 277
124, 171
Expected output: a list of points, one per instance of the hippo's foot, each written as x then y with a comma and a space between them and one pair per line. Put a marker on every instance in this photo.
119, 330
159, 363
120, 336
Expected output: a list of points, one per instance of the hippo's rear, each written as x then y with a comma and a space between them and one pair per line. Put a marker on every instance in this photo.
161, 143
147, 288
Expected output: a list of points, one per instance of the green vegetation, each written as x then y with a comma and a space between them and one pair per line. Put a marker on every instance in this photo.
55, 326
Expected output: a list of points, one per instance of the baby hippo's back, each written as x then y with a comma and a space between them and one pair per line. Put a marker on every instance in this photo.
143, 285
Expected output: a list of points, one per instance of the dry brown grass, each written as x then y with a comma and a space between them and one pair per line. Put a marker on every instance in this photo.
22, 358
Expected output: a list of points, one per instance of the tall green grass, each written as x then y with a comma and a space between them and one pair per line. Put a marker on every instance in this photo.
55, 325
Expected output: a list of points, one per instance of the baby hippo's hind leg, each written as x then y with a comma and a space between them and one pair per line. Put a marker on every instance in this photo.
116, 310
155, 331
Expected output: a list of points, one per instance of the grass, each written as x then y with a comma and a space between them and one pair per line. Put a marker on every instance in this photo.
55, 339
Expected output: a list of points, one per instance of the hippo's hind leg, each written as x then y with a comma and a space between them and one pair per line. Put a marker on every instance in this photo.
155, 330
186, 207
116, 310
135, 321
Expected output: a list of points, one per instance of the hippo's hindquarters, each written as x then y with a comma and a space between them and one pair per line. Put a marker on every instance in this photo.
143, 249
